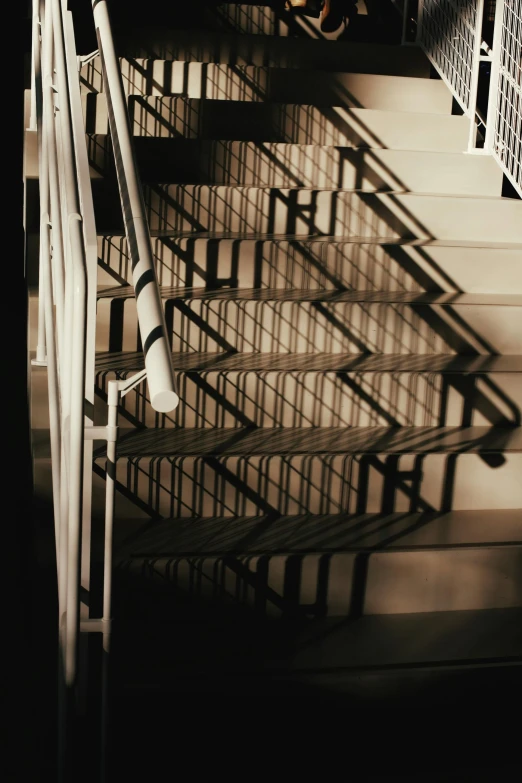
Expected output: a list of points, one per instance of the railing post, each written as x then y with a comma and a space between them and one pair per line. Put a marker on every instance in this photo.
35, 63
494, 77
475, 72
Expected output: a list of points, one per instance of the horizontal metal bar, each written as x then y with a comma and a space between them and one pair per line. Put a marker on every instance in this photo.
95, 625
107, 433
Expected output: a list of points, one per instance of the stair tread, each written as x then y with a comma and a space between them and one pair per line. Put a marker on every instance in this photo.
416, 638
317, 533
190, 145
366, 643
249, 44
381, 195
448, 157
319, 362
181, 442
275, 73
411, 298
324, 238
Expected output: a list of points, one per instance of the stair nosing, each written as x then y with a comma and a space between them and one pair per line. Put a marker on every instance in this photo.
224, 442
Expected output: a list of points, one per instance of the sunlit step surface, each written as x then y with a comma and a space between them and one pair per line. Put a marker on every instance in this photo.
308, 211
312, 564
321, 440
314, 321
305, 165
418, 579
324, 262
249, 471
303, 86
191, 118
315, 390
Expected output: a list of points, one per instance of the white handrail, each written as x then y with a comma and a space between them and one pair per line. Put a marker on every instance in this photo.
67, 306
72, 426
158, 363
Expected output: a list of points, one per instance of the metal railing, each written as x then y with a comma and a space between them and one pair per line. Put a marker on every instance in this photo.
504, 128
451, 34
67, 314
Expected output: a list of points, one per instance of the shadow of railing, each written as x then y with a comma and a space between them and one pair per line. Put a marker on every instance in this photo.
210, 321
301, 567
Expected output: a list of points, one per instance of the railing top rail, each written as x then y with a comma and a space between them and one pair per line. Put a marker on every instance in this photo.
160, 376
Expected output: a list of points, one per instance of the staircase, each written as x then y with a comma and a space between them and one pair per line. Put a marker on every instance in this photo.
330, 522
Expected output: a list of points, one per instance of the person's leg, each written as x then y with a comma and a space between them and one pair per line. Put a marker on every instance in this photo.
334, 13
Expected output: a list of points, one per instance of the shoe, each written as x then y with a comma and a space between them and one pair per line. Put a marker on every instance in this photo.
333, 15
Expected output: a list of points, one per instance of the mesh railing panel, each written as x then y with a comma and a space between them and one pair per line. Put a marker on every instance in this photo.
507, 140
447, 35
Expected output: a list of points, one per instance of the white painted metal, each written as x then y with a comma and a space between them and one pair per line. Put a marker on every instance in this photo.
504, 125
67, 316
447, 31
150, 313
450, 32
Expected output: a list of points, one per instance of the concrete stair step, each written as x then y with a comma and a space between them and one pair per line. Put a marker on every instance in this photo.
286, 85
315, 390
167, 117
285, 390
313, 212
360, 578
228, 48
314, 321
324, 262
314, 534
187, 472
446, 364
319, 440
283, 165
158, 478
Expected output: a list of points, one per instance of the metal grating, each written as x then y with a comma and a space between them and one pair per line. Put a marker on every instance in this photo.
507, 141
447, 34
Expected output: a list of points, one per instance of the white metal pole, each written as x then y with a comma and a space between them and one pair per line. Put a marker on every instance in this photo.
77, 368
110, 493
55, 209
52, 378
475, 71
36, 123
493, 96
158, 362
46, 123
35, 63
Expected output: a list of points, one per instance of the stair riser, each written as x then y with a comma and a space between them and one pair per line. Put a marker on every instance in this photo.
296, 165
336, 585
339, 213
313, 399
308, 327
329, 484
252, 83
166, 117
244, 263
